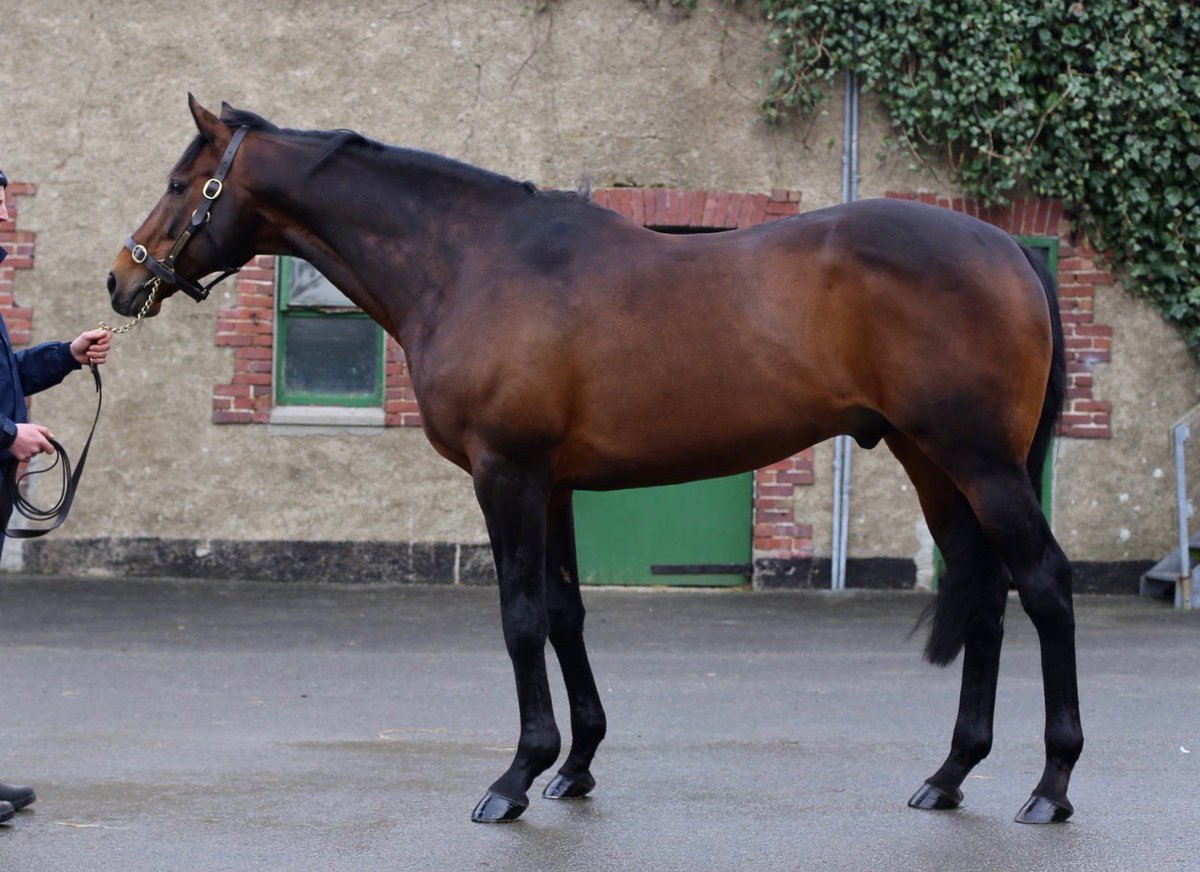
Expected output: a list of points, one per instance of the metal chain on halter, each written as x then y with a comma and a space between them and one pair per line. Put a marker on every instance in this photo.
126, 327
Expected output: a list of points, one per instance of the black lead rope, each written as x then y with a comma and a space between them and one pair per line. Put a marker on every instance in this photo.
70, 482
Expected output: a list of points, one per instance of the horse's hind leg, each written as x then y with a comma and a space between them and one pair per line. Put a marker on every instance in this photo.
976, 581
565, 610
1004, 502
514, 500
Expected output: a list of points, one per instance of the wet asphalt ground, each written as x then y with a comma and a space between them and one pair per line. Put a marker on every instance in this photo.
237, 726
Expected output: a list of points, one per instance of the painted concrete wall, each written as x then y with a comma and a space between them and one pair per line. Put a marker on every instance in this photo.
614, 90
98, 115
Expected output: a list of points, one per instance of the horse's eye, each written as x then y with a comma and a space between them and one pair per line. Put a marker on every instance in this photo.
176, 187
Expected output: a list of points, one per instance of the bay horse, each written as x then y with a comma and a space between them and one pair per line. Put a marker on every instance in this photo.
555, 346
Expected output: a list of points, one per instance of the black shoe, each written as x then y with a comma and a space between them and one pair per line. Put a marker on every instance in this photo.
18, 797
7, 812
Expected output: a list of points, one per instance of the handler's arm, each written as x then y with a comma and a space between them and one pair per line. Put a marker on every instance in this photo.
45, 365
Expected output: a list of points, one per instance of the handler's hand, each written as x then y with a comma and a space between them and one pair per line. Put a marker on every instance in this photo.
31, 439
91, 347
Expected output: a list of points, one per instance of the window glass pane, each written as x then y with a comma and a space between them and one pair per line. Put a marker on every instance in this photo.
1042, 251
330, 355
310, 288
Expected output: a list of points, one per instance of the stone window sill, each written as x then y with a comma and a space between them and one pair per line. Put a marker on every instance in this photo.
324, 420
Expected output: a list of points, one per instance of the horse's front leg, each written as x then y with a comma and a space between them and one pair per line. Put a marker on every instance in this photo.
565, 609
514, 499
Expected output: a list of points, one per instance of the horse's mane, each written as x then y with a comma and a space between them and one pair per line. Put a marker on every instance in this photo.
336, 141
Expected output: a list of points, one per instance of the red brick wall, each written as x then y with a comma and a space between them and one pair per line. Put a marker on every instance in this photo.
399, 401
20, 244
249, 327
670, 207
1087, 343
776, 533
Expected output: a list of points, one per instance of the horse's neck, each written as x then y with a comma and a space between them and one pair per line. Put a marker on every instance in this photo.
388, 258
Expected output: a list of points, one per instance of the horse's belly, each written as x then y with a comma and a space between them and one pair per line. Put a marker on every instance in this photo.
673, 446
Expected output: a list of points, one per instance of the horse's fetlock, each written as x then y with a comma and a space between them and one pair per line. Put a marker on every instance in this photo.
1064, 744
540, 748
589, 725
971, 746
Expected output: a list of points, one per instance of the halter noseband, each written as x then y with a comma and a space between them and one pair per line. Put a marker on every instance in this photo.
165, 269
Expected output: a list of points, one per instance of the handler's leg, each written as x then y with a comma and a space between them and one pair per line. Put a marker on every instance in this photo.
13, 798
565, 609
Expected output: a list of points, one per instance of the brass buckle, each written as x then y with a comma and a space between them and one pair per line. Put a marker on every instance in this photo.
208, 186
139, 253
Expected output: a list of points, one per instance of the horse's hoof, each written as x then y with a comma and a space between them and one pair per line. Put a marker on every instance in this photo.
935, 799
1040, 810
566, 787
497, 809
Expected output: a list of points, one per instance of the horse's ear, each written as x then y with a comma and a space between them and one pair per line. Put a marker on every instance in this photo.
209, 125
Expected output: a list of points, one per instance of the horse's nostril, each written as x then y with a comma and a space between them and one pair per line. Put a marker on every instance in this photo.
112, 284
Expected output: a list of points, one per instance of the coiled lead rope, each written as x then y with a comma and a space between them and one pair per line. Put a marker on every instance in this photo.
56, 513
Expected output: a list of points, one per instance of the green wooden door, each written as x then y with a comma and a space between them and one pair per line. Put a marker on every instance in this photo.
688, 534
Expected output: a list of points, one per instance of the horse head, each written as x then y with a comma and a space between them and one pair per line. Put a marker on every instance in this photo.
201, 224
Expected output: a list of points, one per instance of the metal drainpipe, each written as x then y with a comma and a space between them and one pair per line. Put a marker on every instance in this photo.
1185, 597
841, 444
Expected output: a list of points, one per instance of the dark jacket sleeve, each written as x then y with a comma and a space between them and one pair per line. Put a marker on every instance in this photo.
45, 365
8, 435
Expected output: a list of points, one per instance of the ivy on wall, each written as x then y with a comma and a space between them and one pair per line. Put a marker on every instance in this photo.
1096, 103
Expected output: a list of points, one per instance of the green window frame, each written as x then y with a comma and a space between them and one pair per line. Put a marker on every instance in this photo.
1049, 245
286, 310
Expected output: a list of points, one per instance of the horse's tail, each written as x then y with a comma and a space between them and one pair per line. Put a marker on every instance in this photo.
978, 568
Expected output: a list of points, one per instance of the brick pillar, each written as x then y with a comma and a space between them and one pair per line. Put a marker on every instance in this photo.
400, 403
20, 245
776, 533
248, 326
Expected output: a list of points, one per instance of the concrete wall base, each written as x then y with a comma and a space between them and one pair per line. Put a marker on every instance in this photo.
264, 560
1090, 576
808, 573
437, 563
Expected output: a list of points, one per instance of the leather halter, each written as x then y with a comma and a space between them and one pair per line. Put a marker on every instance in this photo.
165, 269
